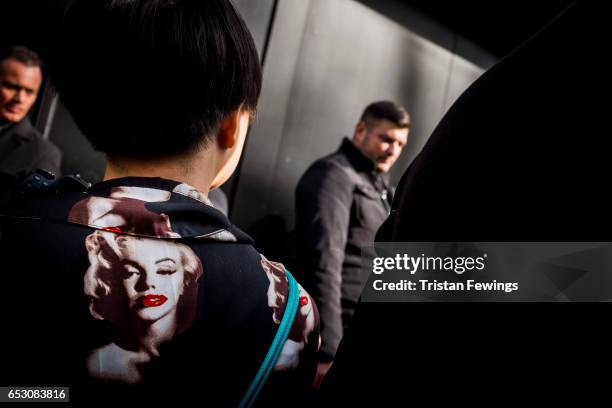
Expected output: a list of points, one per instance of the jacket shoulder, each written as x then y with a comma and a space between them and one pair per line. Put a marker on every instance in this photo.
27, 131
334, 168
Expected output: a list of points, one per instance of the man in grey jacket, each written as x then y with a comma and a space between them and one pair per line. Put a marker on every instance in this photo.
341, 201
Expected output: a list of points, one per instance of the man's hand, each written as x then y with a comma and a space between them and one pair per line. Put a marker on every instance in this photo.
322, 369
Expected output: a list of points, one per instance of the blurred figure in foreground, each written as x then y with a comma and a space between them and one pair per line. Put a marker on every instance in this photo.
523, 155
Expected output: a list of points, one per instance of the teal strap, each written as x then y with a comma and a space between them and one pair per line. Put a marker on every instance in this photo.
277, 344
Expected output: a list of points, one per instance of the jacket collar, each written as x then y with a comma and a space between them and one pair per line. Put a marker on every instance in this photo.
139, 206
157, 207
360, 162
22, 129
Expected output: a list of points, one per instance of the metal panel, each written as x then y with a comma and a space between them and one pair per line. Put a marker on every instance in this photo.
262, 149
462, 74
257, 14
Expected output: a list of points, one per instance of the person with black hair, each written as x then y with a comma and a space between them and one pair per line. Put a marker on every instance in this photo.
22, 147
165, 292
341, 201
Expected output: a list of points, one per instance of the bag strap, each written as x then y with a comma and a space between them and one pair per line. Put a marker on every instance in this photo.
277, 344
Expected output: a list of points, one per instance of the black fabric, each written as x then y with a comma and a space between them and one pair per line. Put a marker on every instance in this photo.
22, 148
523, 155
341, 201
190, 310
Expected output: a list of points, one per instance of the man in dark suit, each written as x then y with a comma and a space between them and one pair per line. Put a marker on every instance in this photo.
22, 147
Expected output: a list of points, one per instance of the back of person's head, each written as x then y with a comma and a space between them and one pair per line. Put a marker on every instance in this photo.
20, 53
154, 78
386, 110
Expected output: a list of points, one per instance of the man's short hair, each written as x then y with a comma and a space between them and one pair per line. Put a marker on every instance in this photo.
22, 54
388, 110
154, 78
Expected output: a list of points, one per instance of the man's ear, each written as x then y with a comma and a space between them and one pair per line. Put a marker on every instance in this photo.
227, 136
360, 131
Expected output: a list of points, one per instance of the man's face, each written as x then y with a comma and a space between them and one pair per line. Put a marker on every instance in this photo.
19, 85
382, 142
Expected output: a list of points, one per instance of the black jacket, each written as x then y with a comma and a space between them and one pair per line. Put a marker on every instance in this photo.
341, 201
138, 288
22, 148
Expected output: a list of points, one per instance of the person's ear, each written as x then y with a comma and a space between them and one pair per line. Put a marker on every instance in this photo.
360, 131
228, 130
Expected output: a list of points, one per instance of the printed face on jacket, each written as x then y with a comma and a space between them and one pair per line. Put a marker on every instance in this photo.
146, 287
148, 276
153, 283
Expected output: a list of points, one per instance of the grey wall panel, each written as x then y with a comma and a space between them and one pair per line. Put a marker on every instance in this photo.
327, 59
424, 26
257, 14
262, 148
420, 24
462, 74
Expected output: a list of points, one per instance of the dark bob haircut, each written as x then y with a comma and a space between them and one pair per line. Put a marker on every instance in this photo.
154, 78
